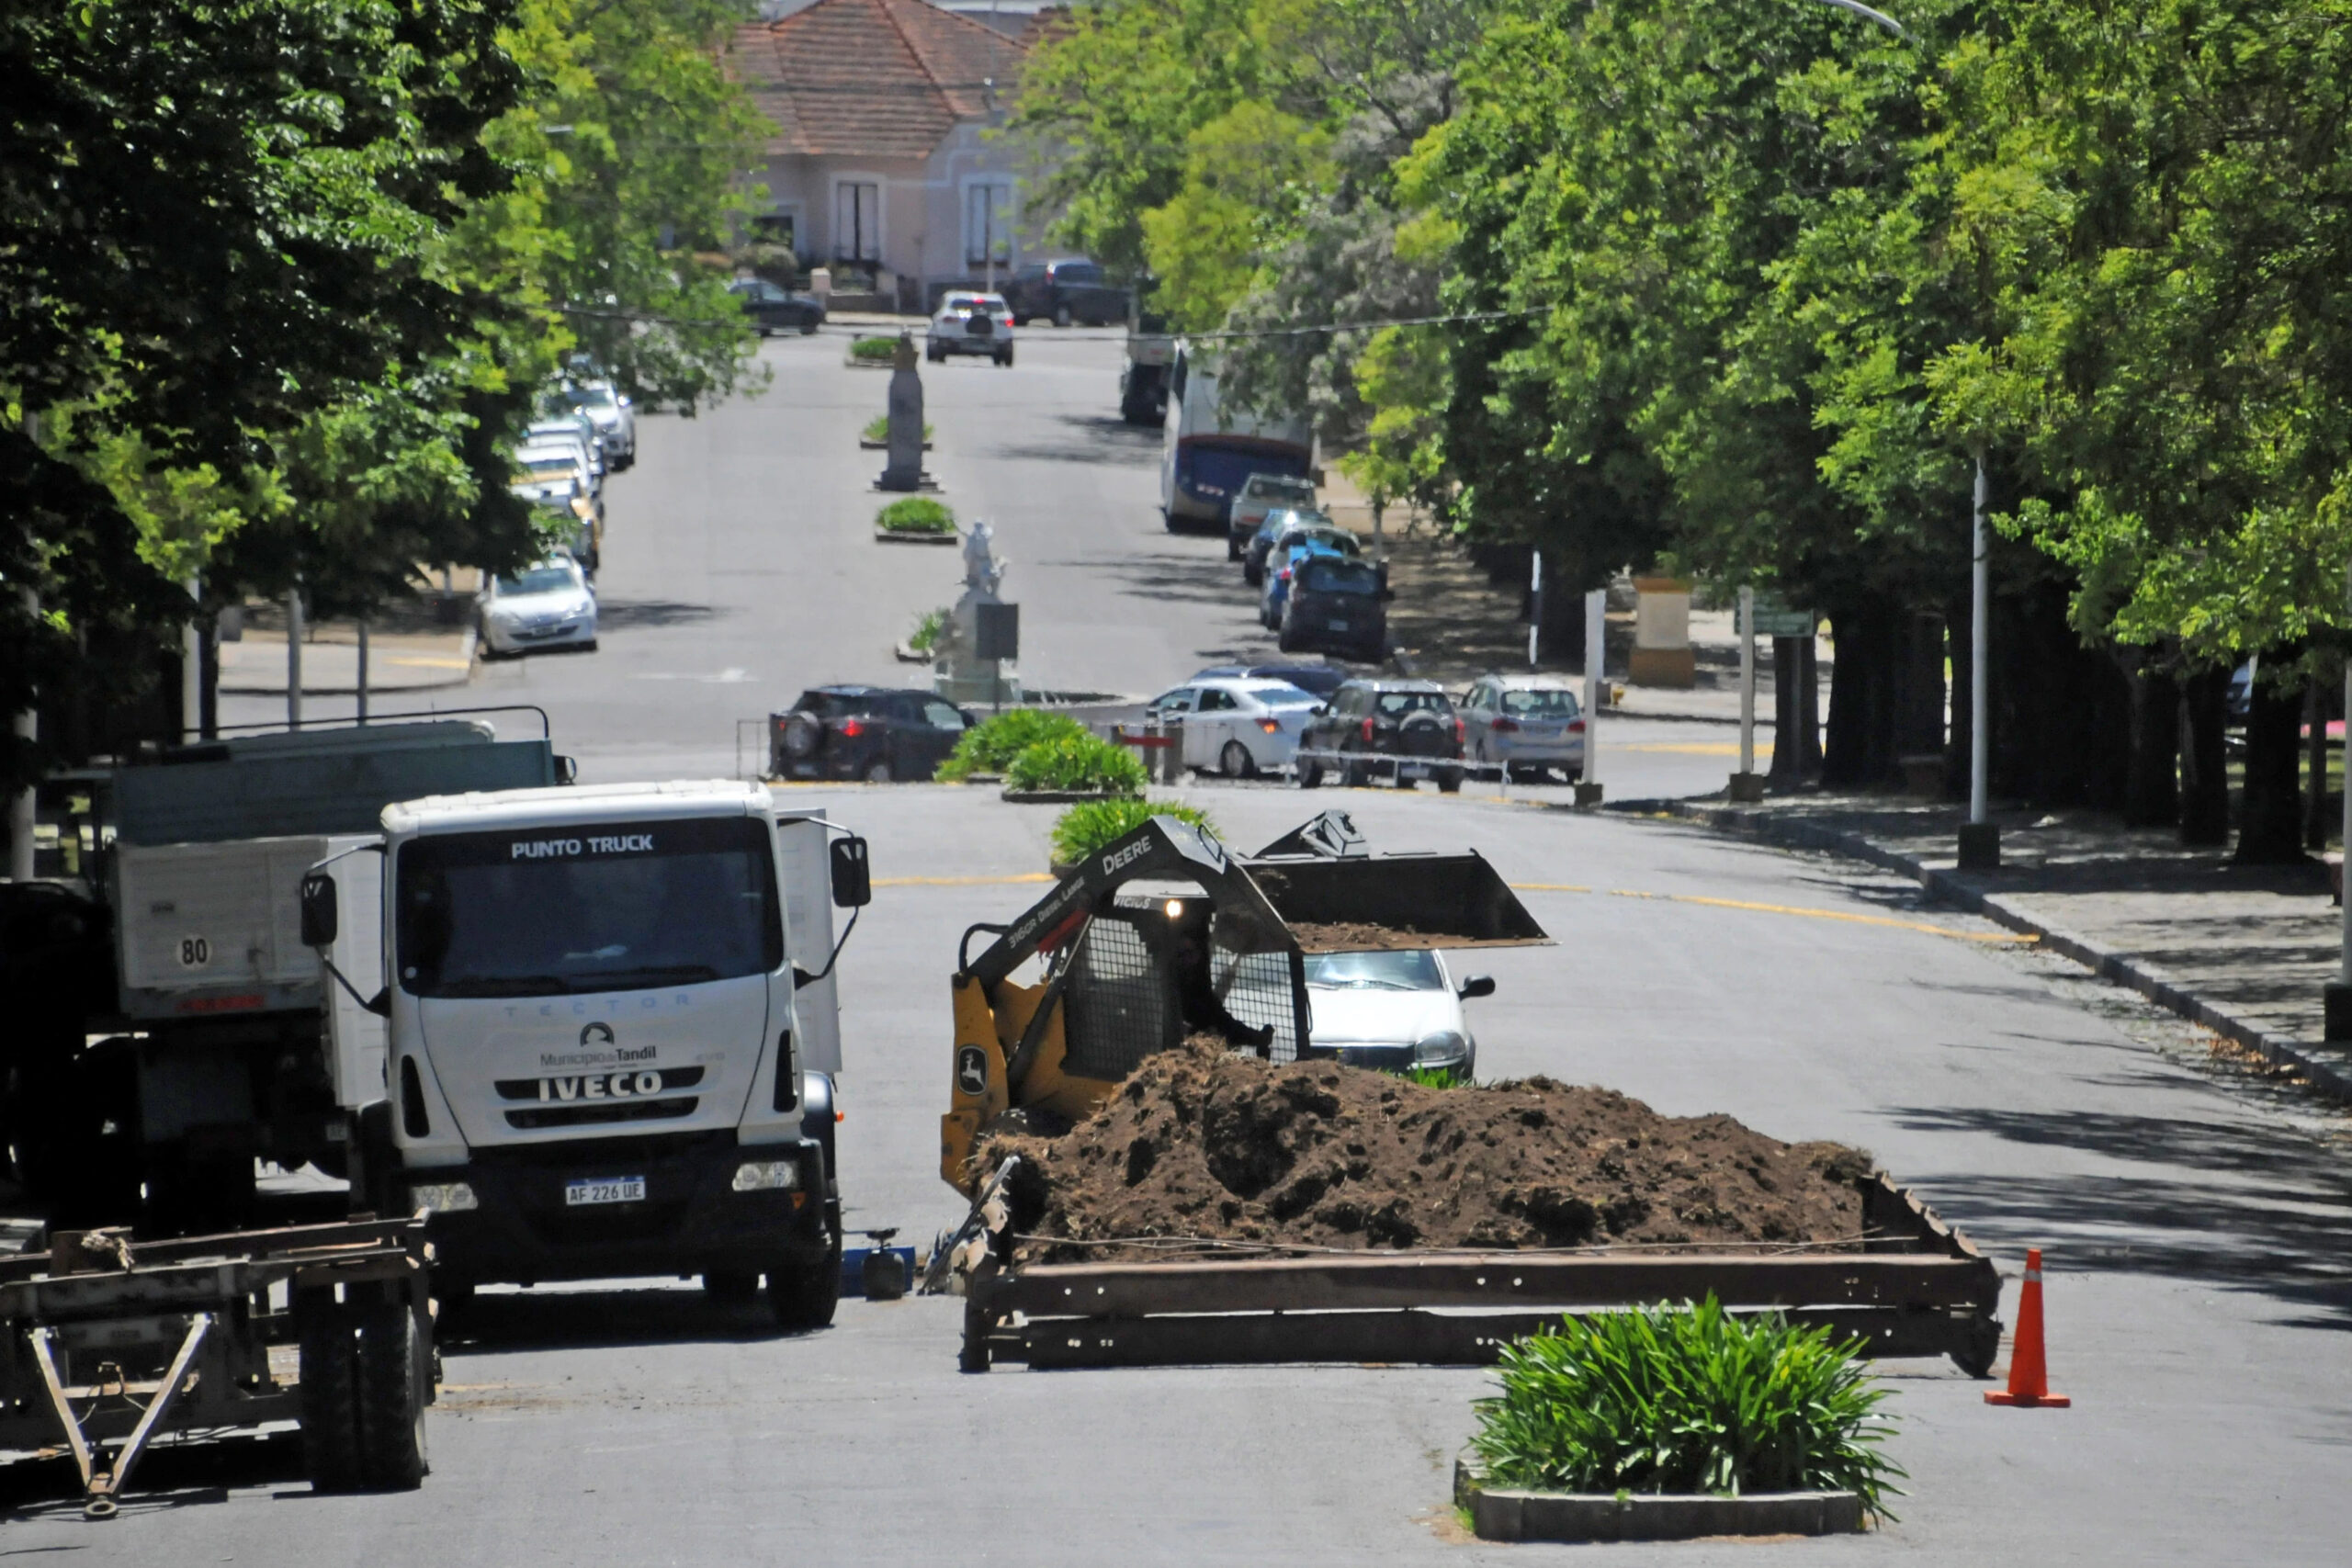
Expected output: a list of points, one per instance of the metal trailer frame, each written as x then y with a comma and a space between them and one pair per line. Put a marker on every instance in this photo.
1915, 1287
111, 1342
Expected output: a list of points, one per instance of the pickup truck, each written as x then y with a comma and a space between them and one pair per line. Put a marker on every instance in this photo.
1064, 291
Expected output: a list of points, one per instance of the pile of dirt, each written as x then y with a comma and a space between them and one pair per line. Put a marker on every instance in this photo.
1202, 1143
1357, 936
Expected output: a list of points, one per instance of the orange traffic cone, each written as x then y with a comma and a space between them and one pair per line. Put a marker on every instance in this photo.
2029, 1372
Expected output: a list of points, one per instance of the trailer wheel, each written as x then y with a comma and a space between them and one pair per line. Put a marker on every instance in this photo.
804, 1295
329, 1391
393, 1368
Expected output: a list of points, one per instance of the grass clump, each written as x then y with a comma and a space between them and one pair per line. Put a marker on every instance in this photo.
879, 429
1080, 764
915, 514
928, 626
1091, 824
990, 746
1685, 1399
879, 350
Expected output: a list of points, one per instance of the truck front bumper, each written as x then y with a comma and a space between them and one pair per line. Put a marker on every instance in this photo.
524, 1226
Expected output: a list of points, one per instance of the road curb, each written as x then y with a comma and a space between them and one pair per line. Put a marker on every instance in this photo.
1499, 1513
2330, 1078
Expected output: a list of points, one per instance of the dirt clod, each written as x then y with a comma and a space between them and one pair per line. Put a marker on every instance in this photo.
1204, 1142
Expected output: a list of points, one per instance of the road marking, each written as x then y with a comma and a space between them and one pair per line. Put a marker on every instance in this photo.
1777, 909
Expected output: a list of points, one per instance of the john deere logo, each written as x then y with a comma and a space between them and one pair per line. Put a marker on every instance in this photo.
972, 1070
596, 1034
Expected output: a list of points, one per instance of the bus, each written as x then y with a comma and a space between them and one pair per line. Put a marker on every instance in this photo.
1211, 451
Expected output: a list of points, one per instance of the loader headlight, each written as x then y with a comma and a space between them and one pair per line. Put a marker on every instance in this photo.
442, 1197
1440, 1050
767, 1175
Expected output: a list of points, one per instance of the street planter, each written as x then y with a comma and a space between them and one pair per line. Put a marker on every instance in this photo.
1511, 1514
910, 537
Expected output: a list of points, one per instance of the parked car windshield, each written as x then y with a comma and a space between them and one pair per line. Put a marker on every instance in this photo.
1395, 705
1273, 486
549, 579
1321, 574
1541, 703
1077, 272
543, 463
613, 907
1282, 694
1414, 971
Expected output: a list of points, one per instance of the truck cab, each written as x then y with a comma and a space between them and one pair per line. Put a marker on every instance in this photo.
610, 1031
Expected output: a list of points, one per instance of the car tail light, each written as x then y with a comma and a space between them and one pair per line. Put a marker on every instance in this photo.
1504, 727
852, 727
1460, 729
1270, 726
1283, 575
1367, 729
1576, 726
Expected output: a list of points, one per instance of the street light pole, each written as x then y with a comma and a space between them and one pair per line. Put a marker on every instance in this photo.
1980, 840
2337, 1014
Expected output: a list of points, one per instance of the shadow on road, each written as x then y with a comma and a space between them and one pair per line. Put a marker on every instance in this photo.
551, 1320
1104, 440
627, 614
169, 1476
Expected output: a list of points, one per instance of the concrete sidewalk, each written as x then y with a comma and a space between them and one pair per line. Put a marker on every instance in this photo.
2243, 951
397, 661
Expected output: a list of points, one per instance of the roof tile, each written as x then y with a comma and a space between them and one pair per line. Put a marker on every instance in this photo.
873, 78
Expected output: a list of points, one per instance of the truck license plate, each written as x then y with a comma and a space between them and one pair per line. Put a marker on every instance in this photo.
614, 1190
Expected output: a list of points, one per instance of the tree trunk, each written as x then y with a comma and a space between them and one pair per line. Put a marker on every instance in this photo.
1787, 759
2204, 773
1808, 713
2270, 828
2151, 793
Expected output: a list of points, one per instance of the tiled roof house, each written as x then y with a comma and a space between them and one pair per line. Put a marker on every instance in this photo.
878, 164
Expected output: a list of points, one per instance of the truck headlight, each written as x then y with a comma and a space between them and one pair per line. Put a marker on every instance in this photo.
442, 1197
1442, 1049
767, 1175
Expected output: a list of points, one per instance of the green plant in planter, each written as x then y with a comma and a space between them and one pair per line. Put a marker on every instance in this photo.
1091, 824
1685, 1399
928, 626
879, 429
915, 514
881, 350
990, 746
1076, 763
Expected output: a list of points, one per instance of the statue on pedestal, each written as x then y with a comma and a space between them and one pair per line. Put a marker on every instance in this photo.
904, 471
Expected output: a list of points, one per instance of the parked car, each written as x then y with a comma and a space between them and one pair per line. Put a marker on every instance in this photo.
1278, 523
1237, 727
1335, 604
1395, 1010
774, 309
571, 430
1260, 494
970, 323
1322, 680
1525, 724
609, 410
1283, 562
1405, 730
1064, 291
875, 733
548, 605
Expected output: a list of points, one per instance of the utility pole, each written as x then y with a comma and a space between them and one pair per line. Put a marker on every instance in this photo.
363, 669
1534, 605
1980, 840
1595, 687
294, 658
1747, 785
192, 669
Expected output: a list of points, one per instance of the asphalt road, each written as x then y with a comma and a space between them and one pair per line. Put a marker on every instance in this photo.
2197, 1221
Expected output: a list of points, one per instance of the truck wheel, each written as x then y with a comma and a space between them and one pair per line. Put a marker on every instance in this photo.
729, 1286
804, 1295
1310, 774
328, 1392
1449, 784
393, 1370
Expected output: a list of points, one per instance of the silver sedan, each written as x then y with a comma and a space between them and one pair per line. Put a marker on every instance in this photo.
1526, 724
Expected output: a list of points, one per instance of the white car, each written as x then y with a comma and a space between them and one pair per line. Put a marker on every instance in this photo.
1524, 723
1236, 726
609, 410
547, 605
1399, 1011
970, 323
568, 432
1261, 495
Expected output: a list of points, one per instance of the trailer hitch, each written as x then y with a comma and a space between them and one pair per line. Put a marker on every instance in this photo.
103, 1484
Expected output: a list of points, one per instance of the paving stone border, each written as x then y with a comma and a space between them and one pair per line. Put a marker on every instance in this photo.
1510, 1514
2328, 1071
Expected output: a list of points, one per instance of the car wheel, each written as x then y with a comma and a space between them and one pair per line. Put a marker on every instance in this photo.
1310, 774
1253, 575
1232, 548
1168, 516
1061, 315
877, 771
1236, 762
1282, 639
1449, 784
1005, 358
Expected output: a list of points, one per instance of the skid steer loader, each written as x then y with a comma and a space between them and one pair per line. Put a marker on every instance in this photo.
1163, 934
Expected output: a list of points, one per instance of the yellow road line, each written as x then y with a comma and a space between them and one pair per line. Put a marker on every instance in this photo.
1777, 909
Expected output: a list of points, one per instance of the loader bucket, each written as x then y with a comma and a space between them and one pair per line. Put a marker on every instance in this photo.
1409, 900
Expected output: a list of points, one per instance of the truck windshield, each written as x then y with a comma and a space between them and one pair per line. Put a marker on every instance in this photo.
613, 907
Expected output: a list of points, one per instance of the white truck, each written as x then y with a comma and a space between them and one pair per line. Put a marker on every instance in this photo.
608, 1026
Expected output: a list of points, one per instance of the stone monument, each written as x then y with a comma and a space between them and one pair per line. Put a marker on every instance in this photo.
958, 673
904, 471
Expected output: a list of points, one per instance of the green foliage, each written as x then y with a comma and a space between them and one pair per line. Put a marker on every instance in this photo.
874, 350
1685, 1399
989, 746
879, 429
928, 626
1434, 1077
916, 514
1086, 827
1076, 763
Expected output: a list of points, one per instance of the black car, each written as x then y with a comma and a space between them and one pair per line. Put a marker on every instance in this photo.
1336, 604
874, 733
774, 309
1320, 678
1399, 730
1064, 292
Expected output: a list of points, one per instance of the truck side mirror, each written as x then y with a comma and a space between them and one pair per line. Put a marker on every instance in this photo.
852, 883
567, 769
1477, 985
318, 910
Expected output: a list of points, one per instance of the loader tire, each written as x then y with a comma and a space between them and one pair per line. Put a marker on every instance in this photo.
393, 1369
328, 1392
803, 1295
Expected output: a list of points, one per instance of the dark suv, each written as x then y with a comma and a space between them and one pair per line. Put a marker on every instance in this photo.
1064, 292
1399, 730
875, 733
1336, 604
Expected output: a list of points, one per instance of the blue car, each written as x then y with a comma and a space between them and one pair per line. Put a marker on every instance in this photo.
1277, 592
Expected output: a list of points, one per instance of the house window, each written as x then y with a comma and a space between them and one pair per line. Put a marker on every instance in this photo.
857, 221
776, 228
988, 225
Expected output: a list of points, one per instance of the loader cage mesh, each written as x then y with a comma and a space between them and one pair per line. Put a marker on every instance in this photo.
1122, 1004
1260, 990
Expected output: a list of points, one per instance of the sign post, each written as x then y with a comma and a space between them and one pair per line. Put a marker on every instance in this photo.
1596, 649
1747, 785
996, 638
